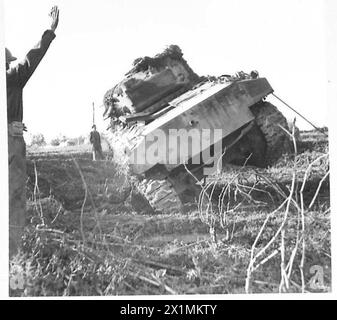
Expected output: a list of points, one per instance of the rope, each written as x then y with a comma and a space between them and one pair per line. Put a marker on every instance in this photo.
319, 129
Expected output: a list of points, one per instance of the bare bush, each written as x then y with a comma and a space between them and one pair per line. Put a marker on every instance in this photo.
242, 185
38, 140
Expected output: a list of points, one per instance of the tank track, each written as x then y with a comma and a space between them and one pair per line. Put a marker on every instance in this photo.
161, 195
268, 118
172, 193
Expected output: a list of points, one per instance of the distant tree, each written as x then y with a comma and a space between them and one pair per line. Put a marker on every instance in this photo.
62, 138
38, 140
55, 142
72, 142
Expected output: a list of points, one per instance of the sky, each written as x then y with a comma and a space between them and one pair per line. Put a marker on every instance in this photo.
97, 41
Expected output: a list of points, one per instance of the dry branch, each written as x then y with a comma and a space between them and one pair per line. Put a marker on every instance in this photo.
300, 210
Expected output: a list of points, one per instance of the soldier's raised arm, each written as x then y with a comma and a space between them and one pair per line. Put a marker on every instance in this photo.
24, 70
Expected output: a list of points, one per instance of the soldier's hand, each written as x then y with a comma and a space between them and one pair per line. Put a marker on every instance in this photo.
54, 14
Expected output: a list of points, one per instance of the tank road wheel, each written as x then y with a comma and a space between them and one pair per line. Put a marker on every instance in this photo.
161, 195
250, 150
268, 118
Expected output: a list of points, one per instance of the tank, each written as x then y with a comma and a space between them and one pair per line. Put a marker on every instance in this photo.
181, 127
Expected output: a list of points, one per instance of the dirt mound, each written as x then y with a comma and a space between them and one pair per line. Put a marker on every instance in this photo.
61, 178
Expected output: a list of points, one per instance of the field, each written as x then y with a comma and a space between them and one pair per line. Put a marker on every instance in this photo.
90, 233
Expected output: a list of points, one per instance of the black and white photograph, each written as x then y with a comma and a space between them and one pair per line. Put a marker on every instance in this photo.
166, 148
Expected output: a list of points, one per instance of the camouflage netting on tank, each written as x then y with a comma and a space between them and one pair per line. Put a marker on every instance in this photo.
159, 61
109, 102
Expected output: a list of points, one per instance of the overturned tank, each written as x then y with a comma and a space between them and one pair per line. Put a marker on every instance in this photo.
181, 127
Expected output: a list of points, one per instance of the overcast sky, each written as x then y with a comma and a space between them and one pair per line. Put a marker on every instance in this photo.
96, 42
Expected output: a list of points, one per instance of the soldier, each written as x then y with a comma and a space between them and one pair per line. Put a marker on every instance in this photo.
16, 79
95, 140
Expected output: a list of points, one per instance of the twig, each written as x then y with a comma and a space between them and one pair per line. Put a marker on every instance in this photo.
57, 214
284, 284
265, 260
298, 286
82, 214
153, 282
159, 265
318, 189
37, 200
301, 266
89, 194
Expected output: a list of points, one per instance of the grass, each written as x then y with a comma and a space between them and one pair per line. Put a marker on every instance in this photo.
109, 248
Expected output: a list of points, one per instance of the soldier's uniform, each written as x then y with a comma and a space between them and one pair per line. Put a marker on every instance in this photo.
95, 140
16, 79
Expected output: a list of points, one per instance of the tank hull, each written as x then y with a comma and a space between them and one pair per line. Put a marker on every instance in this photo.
197, 120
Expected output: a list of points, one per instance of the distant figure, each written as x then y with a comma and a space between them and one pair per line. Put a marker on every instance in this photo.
17, 78
95, 140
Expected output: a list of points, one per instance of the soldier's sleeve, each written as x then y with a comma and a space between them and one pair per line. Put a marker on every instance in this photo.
25, 69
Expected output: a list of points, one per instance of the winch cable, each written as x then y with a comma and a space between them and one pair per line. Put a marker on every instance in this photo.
319, 129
